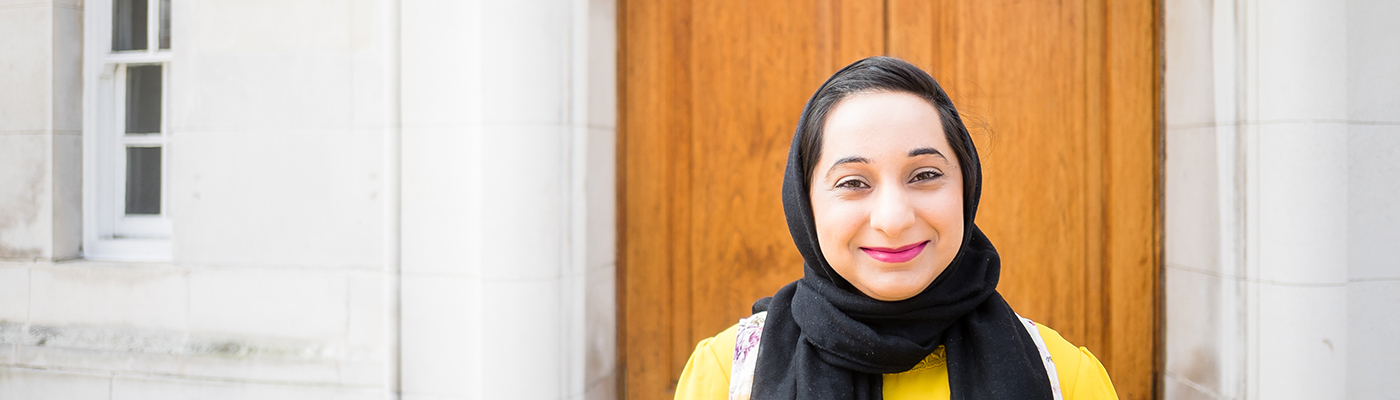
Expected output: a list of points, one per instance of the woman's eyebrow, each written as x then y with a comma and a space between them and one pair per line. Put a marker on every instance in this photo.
847, 160
926, 150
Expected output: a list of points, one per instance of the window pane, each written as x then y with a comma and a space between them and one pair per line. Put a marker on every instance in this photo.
143, 99
143, 180
128, 25
165, 24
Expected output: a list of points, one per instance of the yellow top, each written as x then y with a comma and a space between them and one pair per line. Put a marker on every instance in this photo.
1082, 377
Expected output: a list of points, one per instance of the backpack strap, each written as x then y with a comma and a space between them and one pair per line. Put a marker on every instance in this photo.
1044, 356
745, 356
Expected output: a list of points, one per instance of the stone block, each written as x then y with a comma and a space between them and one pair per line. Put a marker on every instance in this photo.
600, 331
525, 202
368, 346
26, 196
1373, 215
273, 94
1372, 54
1301, 48
141, 388
268, 303
90, 295
1374, 355
533, 87
1302, 225
1193, 233
600, 192
1190, 77
525, 327
312, 26
442, 89
311, 200
37, 384
602, 65
442, 336
26, 104
14, 293
1302, 342
441, 203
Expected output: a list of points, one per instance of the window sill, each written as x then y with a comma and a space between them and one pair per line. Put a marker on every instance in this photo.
157, 250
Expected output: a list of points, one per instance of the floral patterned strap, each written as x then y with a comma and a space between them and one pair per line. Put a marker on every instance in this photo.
745, 356
1044, 356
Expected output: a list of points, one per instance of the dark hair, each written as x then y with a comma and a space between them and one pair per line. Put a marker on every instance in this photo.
889, 75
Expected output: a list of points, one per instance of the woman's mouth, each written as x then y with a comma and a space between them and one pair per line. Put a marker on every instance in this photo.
895, 256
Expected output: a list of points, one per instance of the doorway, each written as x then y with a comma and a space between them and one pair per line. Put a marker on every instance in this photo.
1063, 102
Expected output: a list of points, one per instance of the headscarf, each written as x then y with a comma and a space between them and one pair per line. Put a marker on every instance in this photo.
823, 339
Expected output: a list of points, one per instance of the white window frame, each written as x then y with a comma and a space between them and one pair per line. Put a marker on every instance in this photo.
108, 233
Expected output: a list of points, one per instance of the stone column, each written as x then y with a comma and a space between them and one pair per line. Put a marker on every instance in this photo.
41, 122
1373, 129
508, 131
1257, 193
1292, 108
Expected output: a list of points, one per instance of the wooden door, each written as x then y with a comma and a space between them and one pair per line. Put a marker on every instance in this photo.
1062, 99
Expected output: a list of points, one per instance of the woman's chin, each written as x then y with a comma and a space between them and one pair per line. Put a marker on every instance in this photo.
894, 284
893, 291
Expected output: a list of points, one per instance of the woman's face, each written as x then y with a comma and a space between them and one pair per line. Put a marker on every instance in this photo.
887, 194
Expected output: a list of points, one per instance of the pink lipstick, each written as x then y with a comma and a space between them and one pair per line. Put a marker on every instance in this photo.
895, 256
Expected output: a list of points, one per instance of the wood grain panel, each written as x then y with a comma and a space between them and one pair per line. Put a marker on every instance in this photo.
1031, 127
653, 139
1061, 98
710, 98
1133, 276
739, 154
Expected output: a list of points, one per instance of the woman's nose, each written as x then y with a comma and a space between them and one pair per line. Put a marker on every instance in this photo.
893, 213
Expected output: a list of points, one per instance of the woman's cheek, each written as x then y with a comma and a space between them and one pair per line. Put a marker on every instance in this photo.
942, 209
848, 218
840, 223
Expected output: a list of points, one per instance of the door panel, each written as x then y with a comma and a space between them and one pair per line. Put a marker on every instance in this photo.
1062, 100
1065, 98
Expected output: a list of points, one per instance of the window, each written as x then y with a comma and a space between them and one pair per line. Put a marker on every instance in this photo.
126, 130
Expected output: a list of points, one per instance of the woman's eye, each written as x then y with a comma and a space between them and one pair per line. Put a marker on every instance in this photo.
926, 175
852, 184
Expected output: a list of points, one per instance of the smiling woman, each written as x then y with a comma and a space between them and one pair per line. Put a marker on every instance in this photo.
888, 207
898, 298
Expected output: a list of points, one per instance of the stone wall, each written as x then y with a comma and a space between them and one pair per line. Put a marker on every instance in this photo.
370, 199
1281, 131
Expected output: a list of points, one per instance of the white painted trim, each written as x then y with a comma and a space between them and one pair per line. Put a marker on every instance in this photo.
152, 25
136, 57
107, 233
393, 186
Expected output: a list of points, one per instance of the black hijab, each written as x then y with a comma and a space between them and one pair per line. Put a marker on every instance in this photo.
823, 339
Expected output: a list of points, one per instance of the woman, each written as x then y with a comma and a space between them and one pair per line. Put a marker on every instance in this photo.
898, 299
